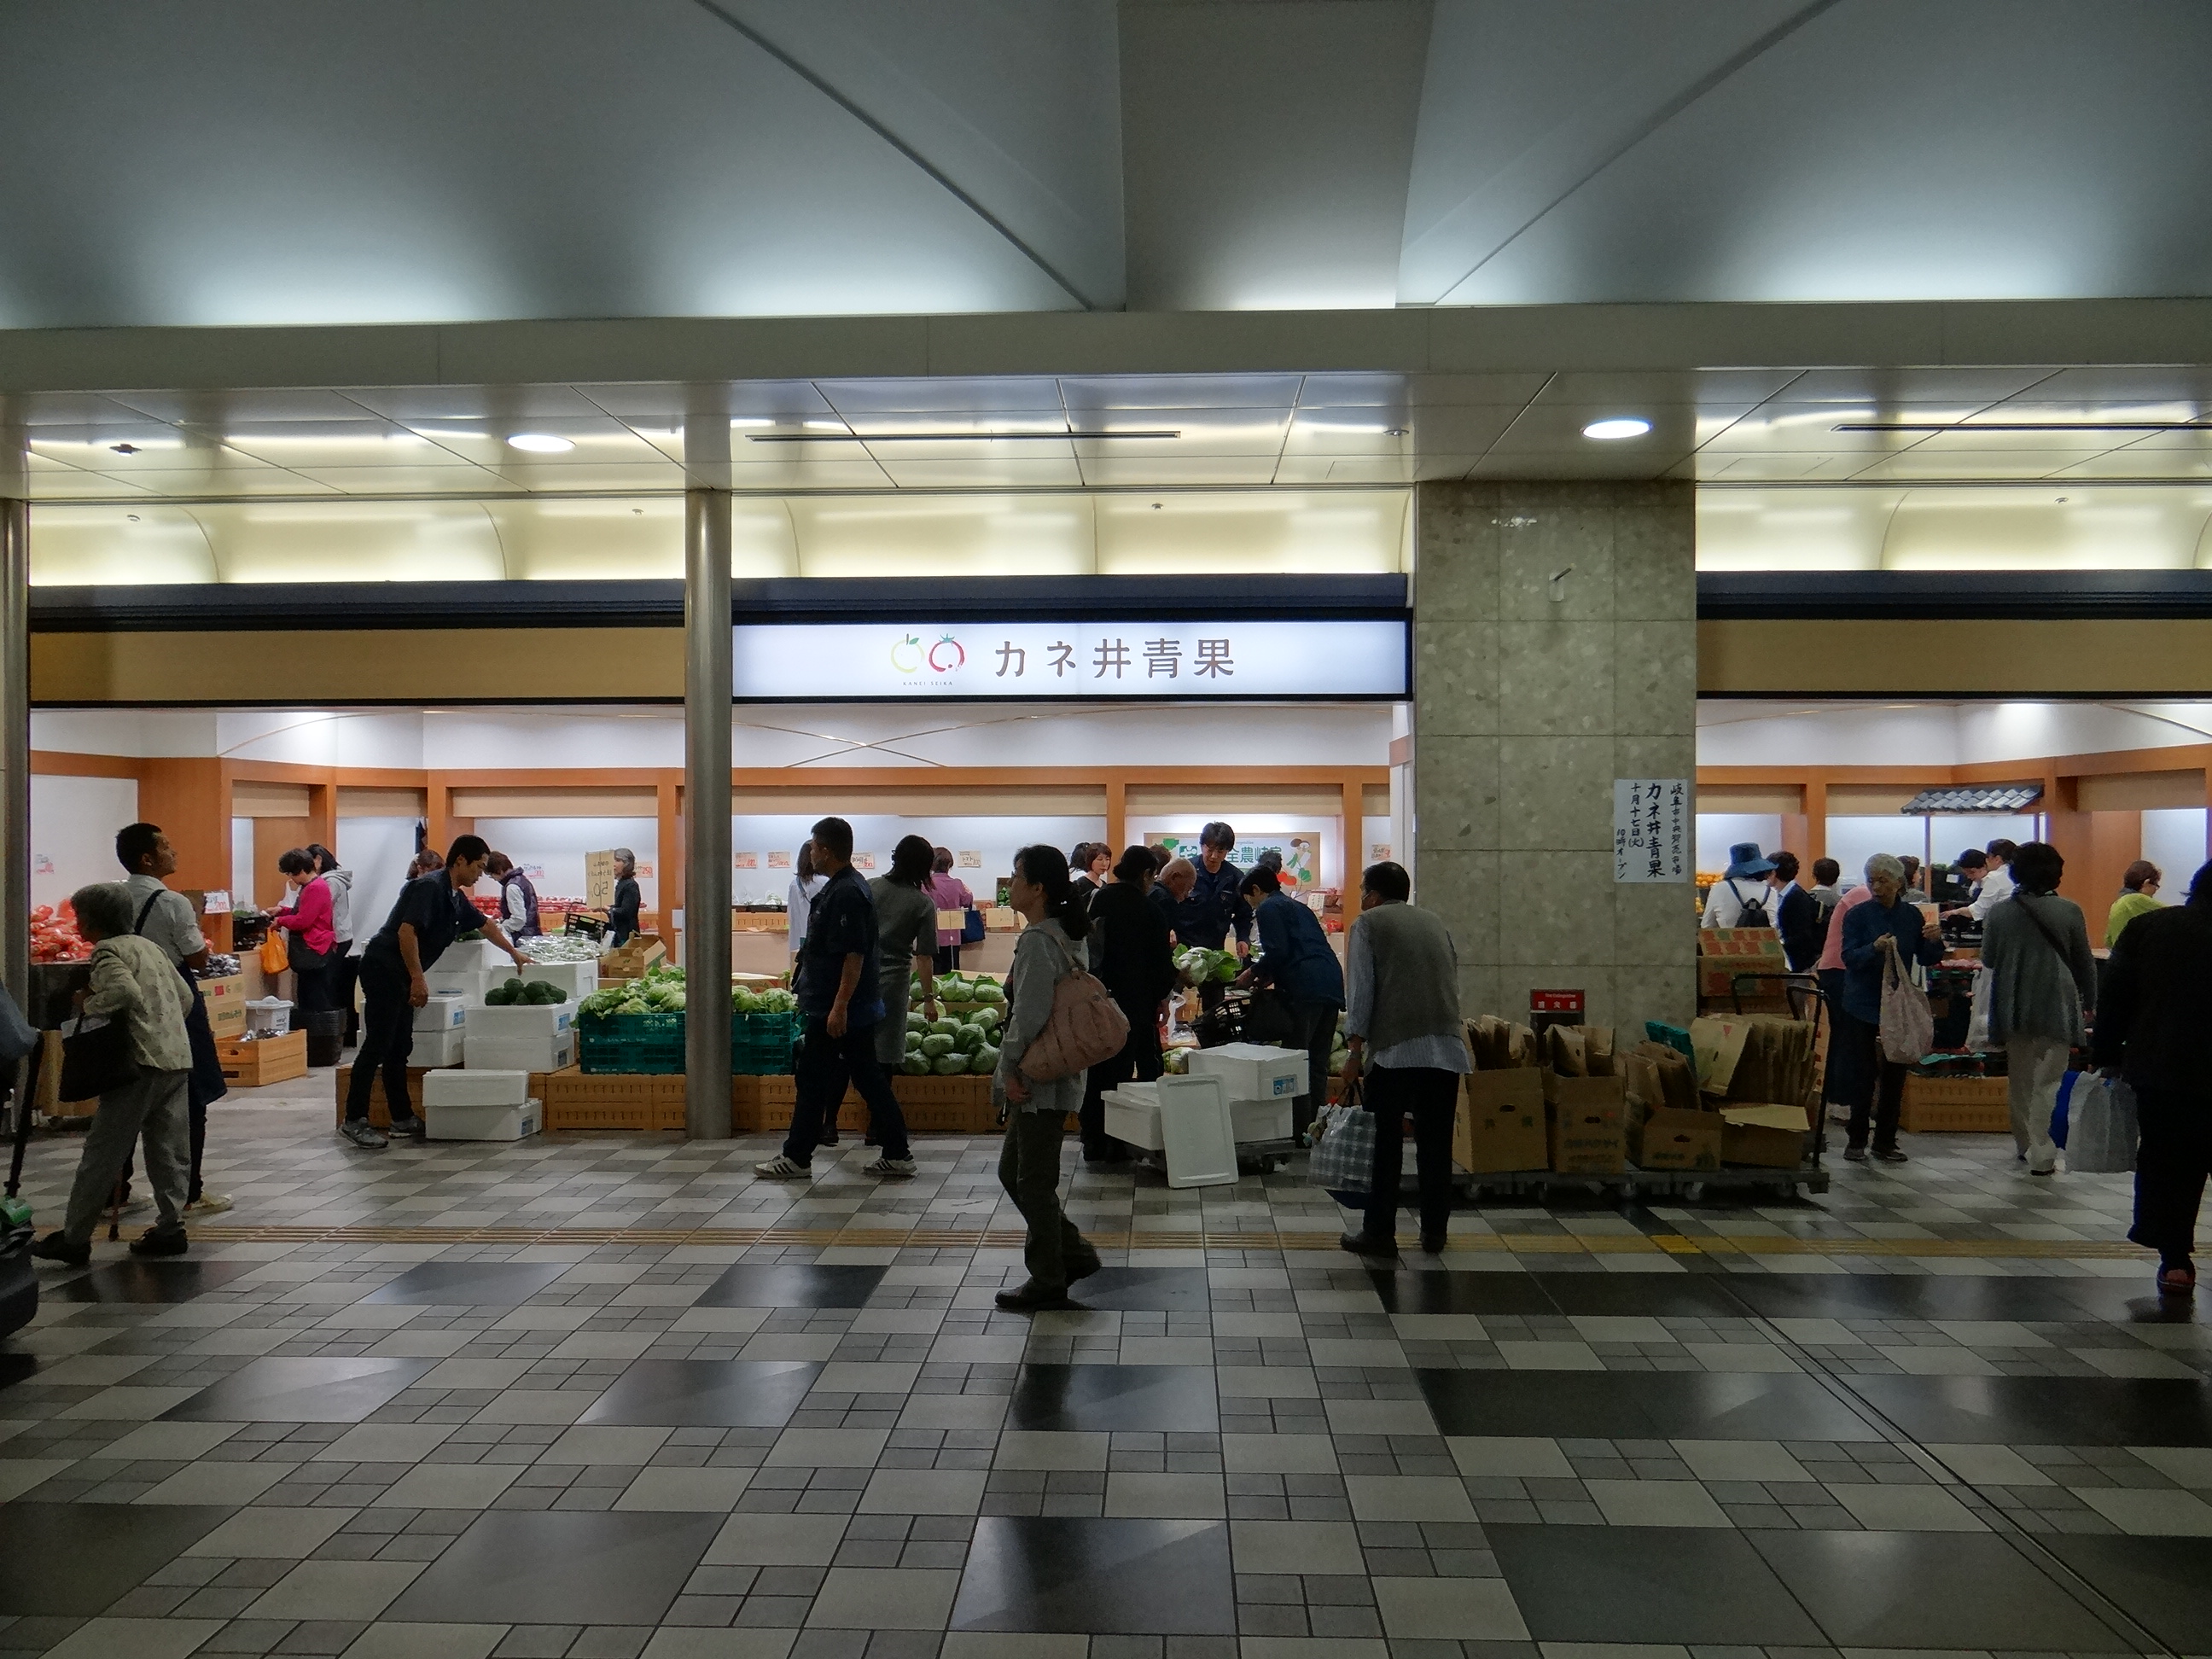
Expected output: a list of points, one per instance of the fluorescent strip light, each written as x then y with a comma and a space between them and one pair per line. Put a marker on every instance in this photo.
843, 436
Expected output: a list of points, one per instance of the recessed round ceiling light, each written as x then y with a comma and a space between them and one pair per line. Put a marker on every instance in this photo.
1622, 426
539, 443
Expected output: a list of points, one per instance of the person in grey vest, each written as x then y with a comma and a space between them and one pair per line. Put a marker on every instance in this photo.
1402, 1026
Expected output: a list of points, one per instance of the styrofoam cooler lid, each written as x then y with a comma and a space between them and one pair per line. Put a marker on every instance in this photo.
475, 1087
1134, 1093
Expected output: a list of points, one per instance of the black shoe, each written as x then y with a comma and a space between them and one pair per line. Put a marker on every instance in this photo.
1891, 1155
1031, 1297
829, 1139
154, 1241
1368, 1244
1856, 1154
1107, 1152
55, 1247
1433, 1243
410, 1128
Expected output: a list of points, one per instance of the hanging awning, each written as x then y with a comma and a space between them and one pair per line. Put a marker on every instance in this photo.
1976, 798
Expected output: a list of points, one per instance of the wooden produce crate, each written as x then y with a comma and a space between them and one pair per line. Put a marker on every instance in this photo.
270, 1060
576, 1100
1955, 1105
933, 1105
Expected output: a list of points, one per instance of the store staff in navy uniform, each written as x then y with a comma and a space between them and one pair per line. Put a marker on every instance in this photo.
431, 912
1214, 904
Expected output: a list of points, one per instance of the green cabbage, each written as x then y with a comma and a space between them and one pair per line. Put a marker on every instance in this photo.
990, 991
967, 1039
914, 1065
988, 1018
983, 1061
937, 1045
949, 1065
945, 1027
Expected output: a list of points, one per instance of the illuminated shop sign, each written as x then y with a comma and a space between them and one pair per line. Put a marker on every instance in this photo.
1182, 660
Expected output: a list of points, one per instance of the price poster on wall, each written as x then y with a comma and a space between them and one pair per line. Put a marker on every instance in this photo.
1651, 829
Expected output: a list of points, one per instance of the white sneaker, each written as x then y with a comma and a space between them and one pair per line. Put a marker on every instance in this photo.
208, 1204
780, 1168
890, 1169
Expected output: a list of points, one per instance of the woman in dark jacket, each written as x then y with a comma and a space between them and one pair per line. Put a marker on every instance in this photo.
1876, 933
2151, 1025
1130, 954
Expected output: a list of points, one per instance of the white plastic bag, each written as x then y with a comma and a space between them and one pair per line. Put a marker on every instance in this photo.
1978, 1023
2101, 1127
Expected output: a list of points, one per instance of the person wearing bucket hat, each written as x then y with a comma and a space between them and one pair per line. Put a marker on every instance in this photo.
1744, 896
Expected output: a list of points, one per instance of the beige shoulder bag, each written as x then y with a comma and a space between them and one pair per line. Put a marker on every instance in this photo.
1086, 1026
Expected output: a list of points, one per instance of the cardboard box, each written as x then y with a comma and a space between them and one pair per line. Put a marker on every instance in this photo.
1500, 1125
643, 952
1663, 1138
475, 1088
1253, 1071
1717, 1042
225, 997
444, 1011
599, 879
1725, 952
474, 1123
520, 1054
1585, 1122
1769, 1137
436, 1049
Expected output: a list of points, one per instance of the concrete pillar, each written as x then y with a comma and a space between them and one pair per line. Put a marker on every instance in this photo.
1533, 691
706, 694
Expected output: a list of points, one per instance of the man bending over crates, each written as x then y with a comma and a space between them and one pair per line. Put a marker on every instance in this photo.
432, 911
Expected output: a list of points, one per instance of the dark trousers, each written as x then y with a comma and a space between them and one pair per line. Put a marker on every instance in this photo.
313, 986
1029, 1170
1431, 1098
1313, 1028
1876, 1084
1835, 1080
345, 974
387, 1040
1139, 1059
826, 1065
2171, 1164
948, 958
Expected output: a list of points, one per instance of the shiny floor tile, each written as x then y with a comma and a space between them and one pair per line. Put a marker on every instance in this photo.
1160, 1398
467, 1284
79, 1558
1059, 1574
1442, 1293
1664, 1296
1930, 1590
770, 1284
1647, 1584
559, 1567
136, 1280
2045, 1411
1638, 1405
757, 1394
2165, 1584
283, 1390
1156, 1290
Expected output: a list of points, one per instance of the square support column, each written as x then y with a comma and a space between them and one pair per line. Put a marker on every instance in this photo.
1555, 650
707, 697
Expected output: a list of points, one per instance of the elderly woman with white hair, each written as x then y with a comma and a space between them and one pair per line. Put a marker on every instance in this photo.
135, 985
1884, 929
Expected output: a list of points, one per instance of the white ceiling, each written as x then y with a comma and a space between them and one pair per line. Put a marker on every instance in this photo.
1748, 427
260, 162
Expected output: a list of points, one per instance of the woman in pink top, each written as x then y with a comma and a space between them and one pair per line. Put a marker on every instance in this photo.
308, 919
1835, 1085
949, 893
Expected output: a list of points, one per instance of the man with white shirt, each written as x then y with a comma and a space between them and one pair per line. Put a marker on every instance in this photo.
1996, 880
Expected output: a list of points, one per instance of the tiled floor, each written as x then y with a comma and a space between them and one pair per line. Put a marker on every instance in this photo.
598, 1398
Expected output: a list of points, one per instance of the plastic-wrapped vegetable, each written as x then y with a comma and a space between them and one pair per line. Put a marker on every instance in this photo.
1175, 1062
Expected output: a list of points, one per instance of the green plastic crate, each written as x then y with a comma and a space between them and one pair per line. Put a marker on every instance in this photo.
761, 1044
650, 1044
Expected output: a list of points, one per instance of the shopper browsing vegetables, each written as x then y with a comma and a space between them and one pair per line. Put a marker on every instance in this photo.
308, 919
622, 914
432, 911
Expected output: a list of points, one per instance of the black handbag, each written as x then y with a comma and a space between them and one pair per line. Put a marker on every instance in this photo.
97, 1061
207, 1082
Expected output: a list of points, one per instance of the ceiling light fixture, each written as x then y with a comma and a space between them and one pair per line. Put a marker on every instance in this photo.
1618, 426
738, 421
539, 443
2026, 426
843, 436
825, 426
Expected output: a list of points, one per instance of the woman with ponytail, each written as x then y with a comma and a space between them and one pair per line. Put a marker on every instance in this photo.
1051, 947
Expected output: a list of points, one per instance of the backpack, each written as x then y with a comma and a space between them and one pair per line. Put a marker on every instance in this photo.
1753, 913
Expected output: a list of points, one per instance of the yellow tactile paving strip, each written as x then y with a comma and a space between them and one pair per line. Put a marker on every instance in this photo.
1258, 1239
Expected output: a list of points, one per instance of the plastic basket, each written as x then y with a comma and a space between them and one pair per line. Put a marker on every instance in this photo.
761, 1044
651, 1044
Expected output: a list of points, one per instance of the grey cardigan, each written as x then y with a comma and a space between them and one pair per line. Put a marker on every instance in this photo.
1043, 955
2036, 988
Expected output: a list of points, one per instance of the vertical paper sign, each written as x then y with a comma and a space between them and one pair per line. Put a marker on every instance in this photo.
1651, 829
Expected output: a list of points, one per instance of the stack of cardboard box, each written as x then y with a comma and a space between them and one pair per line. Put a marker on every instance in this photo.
1760, 1072
1725, 954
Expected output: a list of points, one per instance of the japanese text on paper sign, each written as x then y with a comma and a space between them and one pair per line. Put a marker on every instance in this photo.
1651, 829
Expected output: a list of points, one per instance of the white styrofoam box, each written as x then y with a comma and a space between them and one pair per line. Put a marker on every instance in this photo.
1251, 1070
443, 1047
443, 1013
538, 1053
482, 1123
467, 983
1261, 1119
546, 1020
1135, 1121
475, 1087
578, 979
